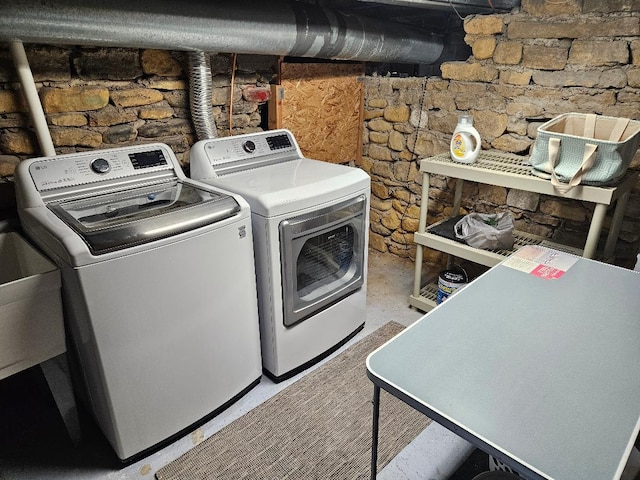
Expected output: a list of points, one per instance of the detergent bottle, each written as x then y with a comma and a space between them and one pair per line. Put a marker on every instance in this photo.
465, 143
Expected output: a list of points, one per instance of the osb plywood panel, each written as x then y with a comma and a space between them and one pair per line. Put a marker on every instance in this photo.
322, 105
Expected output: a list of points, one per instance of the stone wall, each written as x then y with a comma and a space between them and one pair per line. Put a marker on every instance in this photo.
102, 98
527, 67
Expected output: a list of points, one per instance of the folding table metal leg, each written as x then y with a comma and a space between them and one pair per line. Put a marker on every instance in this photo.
374, 440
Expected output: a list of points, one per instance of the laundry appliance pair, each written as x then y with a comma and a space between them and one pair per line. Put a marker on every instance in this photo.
159, 279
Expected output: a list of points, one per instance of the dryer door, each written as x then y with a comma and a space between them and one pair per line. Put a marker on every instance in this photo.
139, 215
322, 256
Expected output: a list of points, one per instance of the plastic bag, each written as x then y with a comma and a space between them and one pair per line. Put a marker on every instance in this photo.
486, 231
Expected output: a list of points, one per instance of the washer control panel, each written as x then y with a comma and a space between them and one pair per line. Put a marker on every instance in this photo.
90, 167
100, 165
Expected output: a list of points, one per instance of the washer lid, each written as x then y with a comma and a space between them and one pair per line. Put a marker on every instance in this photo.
139, 215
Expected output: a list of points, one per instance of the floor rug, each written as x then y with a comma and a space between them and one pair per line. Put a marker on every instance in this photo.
317, 428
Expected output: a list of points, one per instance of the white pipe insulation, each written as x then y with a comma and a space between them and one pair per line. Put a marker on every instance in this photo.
33, 100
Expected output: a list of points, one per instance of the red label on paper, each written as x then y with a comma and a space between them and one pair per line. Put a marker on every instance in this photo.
545, 271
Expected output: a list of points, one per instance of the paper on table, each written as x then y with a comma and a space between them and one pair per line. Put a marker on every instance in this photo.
541, 261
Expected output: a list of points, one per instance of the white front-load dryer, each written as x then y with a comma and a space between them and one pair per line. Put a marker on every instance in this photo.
310, 223
158, 286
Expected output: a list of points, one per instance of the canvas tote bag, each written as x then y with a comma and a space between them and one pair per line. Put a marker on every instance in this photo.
578, 148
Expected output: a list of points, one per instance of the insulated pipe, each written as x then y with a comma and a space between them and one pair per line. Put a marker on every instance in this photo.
200, 95
264, 28
33, 100
465, 6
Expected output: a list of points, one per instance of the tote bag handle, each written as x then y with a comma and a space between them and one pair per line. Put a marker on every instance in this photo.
589, 125
618, 129
588, 159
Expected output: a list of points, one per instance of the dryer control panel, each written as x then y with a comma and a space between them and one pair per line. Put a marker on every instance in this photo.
96, 166
242, 152
251, 145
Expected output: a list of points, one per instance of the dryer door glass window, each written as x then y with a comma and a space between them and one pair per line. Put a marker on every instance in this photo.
322, 257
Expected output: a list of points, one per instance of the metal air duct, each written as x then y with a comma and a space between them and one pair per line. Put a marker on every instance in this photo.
262, 28
200, 95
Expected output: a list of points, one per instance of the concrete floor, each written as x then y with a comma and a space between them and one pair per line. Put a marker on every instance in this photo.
34, 443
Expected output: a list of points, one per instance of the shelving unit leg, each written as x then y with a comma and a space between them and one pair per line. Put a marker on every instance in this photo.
457, 197
422, 226
417, 276
616, 223
457, 202
594, 230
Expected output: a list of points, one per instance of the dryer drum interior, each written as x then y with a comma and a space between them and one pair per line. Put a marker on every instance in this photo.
322, 256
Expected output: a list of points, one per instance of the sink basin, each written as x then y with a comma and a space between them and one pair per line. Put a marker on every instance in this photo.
31, 320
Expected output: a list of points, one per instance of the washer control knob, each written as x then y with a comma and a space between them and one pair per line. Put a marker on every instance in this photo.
249, 146
100, 165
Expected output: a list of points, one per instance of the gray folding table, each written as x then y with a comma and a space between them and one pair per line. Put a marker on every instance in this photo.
537, 362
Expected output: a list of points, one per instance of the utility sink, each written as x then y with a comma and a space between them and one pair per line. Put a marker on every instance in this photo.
31, 321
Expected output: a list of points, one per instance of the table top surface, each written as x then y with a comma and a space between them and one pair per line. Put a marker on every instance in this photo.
539, 359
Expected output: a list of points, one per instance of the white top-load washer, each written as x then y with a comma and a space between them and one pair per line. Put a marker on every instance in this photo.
310, 224
158, 287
